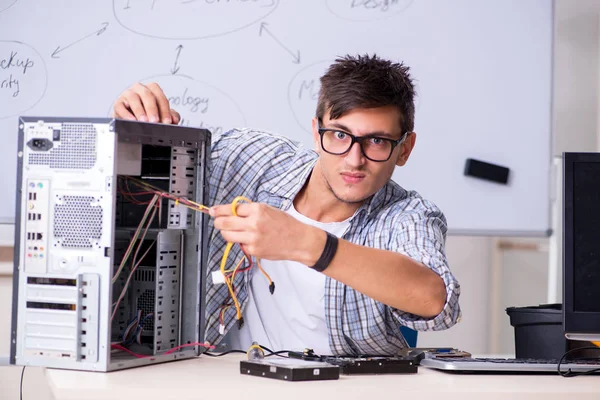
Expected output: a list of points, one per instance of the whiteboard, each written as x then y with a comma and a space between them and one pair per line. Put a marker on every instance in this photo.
482, 69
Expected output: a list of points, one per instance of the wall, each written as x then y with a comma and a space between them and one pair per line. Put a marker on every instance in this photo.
576, 83
34, 382
5, 299
469, 259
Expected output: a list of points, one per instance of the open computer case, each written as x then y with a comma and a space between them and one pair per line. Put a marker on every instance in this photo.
110, 243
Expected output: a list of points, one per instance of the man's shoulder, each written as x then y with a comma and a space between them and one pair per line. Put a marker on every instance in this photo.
256, 157
402, 204
244, 138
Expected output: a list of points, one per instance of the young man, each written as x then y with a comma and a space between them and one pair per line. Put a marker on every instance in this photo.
353, 255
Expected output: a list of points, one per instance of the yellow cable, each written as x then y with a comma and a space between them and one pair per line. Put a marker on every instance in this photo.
226, 255
236, 268
255, 355
239, 263
200, 206
231, 292
263, 271
237, 200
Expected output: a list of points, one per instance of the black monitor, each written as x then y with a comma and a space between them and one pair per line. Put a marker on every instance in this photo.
581, 241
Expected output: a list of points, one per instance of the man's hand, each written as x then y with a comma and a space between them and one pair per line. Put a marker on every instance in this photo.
146, 103
269, 233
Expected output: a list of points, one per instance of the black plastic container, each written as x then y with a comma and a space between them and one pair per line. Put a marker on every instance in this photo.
538, 331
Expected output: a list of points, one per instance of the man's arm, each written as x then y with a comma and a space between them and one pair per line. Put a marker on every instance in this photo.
389, 277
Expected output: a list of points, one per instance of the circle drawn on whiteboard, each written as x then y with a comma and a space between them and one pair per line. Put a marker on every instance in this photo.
367, 10
23, 78
200, 104
190, 19
303, 93
6, 4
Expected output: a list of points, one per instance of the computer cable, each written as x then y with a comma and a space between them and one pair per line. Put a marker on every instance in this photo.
228, 281
255, 352
116, 346
136, 234
269, 352
275, 353
131, 328
21, 385
207, 353
228, 275
150, 189
569, 373
140, 329
135, 262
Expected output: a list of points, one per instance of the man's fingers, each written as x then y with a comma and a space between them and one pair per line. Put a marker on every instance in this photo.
145, 103
230, 223
237, 237
121, 111
164, 110
223, 210
149, 101
135, 105
245, 209
175, 117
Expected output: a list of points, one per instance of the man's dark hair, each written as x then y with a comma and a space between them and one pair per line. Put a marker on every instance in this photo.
367, 82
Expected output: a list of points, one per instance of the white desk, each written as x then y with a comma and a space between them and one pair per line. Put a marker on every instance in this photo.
220, 378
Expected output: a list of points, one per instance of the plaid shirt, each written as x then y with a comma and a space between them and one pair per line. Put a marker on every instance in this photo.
272, 169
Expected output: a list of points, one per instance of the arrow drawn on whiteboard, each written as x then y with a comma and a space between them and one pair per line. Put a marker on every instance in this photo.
97, 33
296, 55
176, 67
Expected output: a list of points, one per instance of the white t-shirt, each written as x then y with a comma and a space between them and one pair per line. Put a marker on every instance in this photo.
293, 318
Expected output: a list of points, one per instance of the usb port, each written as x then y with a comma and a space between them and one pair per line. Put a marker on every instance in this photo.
39, 216
35, 196
29, 216
30, 196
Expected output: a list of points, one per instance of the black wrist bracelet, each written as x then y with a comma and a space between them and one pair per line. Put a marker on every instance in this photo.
329, 250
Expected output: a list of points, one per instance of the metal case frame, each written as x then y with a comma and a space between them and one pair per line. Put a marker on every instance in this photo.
83, 278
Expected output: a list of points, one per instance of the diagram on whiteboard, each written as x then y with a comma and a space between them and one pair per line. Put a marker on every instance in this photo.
196, 19
200, 104
367, 10
303, 93
227, 64
5, 4
23, 78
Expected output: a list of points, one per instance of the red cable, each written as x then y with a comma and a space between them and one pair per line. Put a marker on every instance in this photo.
188, 345
126, 350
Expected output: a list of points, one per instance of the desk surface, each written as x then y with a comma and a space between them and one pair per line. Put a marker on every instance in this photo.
220, 378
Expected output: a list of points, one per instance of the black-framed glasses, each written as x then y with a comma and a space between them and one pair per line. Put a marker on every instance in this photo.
374, 148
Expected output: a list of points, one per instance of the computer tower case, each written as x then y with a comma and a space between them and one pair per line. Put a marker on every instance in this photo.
110, 244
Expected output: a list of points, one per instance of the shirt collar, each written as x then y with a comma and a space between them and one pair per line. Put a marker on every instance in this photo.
296, 176
373, 203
